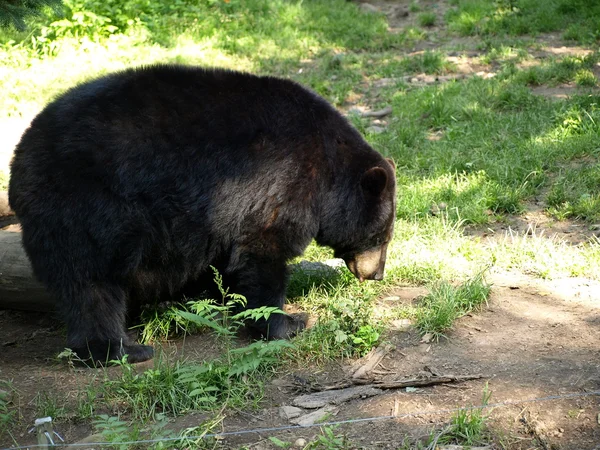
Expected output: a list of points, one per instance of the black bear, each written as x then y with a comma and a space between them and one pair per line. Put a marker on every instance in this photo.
131, 185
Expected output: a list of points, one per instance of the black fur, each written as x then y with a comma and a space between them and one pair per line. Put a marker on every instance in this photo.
129, 186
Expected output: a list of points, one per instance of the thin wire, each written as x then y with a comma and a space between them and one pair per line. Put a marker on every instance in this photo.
321, 424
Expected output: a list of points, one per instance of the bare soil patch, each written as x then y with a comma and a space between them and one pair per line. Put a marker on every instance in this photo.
534, 339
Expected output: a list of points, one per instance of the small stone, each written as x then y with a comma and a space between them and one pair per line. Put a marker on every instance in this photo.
401, 324
300, 442
367, 7
289, 412
427, 338
374, 129
383, 82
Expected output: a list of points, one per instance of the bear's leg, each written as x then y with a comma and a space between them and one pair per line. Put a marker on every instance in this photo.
263, 282
95, 315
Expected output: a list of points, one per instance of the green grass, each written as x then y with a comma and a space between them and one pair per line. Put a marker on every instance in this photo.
3, 181
427, 19
470, 154
468, 427
578, 19
445, 303
8, 413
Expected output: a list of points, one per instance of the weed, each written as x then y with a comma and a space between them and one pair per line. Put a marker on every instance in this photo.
427, 62
49, 405
585, 77
427, 19
329, 440
467, 426
446, 303
180, 387
86, 401
115, 431
7, 412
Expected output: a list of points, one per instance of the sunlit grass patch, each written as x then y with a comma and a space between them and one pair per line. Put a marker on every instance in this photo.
576, 193
560, 70
545, 256
518, 17
95, 37
3, 181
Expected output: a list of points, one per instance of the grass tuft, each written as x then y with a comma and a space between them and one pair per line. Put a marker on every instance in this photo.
446, 303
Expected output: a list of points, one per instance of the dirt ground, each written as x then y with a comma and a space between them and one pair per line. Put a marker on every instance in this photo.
535, 339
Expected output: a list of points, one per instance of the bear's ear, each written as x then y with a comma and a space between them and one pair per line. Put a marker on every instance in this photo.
391, 161
374, 181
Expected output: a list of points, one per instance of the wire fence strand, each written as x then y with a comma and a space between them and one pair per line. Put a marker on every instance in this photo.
320, 424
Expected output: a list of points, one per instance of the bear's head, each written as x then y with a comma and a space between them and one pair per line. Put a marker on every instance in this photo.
367, 224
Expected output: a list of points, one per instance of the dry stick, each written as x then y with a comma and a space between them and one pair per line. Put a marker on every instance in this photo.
372, 361
405, 383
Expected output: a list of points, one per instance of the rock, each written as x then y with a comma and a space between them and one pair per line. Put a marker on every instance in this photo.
383, 82
379, 113
319, 415
401, 324
289, 412
300, 442
427, 338
334, 397
367, 7
374, 129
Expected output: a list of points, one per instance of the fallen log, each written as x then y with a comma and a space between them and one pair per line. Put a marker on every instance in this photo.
4, 208
18, 287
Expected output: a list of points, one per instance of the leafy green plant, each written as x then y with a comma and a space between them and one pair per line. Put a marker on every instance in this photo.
180, 387
279, 443
329, 440
115, 431
163, 322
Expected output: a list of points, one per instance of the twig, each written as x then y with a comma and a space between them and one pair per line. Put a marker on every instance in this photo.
412, 382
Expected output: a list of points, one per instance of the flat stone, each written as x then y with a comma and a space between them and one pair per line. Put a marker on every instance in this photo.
319, 415
289, 412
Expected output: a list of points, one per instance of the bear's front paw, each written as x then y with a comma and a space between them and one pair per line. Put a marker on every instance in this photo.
284, 326
137, 353
102, 353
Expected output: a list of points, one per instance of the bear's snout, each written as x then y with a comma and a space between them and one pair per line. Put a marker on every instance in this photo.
368, 265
